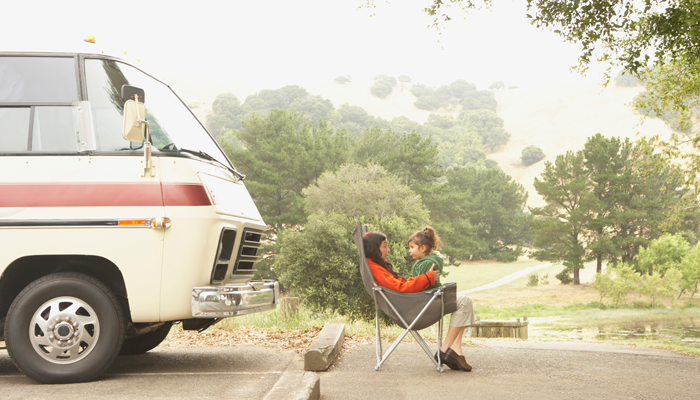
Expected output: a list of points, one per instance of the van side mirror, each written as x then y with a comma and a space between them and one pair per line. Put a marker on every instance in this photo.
134, 128
128, 93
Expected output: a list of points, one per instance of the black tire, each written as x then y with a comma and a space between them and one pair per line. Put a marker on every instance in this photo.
149, 341
64, 328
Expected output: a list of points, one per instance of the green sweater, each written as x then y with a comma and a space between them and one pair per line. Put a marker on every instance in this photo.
423, 265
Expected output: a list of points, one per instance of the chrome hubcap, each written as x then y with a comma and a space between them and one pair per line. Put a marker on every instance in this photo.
64, 330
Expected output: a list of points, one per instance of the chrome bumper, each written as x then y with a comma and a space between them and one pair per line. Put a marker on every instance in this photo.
233, 300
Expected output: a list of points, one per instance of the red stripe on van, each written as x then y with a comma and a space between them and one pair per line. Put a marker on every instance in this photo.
185, 195
100, 195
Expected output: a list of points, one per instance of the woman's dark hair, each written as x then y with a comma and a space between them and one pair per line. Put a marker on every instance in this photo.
371, 242
427, 237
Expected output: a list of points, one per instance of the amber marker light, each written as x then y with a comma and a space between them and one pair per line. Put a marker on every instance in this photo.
131, 222
89, 39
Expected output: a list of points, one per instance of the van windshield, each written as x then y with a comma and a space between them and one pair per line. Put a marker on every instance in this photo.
171, 124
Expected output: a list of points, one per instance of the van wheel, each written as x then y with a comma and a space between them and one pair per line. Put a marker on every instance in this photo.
146, 342
63, 328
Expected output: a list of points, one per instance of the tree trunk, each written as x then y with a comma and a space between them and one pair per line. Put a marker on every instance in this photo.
599, 264
577, 281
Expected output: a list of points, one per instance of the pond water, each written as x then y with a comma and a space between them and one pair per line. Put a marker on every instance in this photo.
680, 331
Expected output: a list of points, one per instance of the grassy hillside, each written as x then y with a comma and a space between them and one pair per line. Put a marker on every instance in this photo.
554, 118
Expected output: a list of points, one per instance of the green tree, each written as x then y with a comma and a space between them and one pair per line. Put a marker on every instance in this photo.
343, 79
690, 270
383, 85
281, 156
489, 125
607, 160
531, 155
663, 254
404, 79
497, 86
479, 213
227, 113
429, 103
320, 263
560, 226
409, 156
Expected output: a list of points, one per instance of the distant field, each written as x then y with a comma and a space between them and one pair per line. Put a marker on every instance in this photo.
473, 274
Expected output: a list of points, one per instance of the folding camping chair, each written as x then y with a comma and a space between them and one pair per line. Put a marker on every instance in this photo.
411, 311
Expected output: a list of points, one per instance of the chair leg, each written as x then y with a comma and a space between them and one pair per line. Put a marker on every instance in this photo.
391, 349
379, 335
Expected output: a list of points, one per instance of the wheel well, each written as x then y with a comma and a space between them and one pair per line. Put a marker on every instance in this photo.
26, 270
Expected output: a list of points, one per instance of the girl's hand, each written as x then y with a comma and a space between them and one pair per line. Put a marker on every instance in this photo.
436, 272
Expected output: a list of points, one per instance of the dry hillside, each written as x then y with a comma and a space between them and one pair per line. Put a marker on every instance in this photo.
554, 118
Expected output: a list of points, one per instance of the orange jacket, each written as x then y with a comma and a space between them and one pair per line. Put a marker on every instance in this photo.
413, 285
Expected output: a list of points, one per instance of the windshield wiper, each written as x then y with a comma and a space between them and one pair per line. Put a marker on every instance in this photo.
204, 155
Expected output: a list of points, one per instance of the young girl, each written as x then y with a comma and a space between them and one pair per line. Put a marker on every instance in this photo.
421, 246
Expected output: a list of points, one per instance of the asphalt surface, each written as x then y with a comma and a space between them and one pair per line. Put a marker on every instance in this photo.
522, 370
502, 369
193, 373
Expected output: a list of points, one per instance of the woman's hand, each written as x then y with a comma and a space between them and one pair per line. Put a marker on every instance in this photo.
436, 272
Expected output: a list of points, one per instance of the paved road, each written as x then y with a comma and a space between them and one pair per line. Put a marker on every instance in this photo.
522, 370
506, 279
193, 373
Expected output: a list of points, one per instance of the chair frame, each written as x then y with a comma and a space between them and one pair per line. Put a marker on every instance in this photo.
378, 290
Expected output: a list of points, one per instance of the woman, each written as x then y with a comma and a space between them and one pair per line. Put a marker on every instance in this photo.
376, 251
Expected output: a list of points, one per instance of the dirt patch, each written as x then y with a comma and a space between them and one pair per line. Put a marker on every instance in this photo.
220, 337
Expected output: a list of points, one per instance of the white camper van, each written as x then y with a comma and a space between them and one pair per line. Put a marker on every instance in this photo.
119, 215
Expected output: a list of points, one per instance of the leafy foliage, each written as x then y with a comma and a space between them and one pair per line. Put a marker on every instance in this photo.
497, 86
343, 79
383, 86
531, 154
281, 156
663, 254
479, 214
320, 262
560, 225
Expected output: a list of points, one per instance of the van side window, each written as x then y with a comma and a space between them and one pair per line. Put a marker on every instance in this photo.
14, 129
38, 80
36, 113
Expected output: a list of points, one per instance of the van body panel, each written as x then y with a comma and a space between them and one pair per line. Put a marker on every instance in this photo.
71, 189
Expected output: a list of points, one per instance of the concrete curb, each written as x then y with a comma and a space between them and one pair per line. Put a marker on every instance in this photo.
296, 385
325, 348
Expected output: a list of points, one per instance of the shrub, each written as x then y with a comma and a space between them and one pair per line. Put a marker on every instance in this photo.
381, 89
319, 262
544, 280
427, 103
497, 86
343, 79
404, 79
658, 287
533, 280
690, 270
531, 155
565, 276
662, 254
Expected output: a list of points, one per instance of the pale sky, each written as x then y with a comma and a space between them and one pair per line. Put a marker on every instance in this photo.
277, 42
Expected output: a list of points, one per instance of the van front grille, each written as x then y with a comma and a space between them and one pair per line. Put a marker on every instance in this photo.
247, 253
223, 255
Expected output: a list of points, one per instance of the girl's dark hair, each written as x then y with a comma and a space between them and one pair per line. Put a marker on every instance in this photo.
371, 242
427, 237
